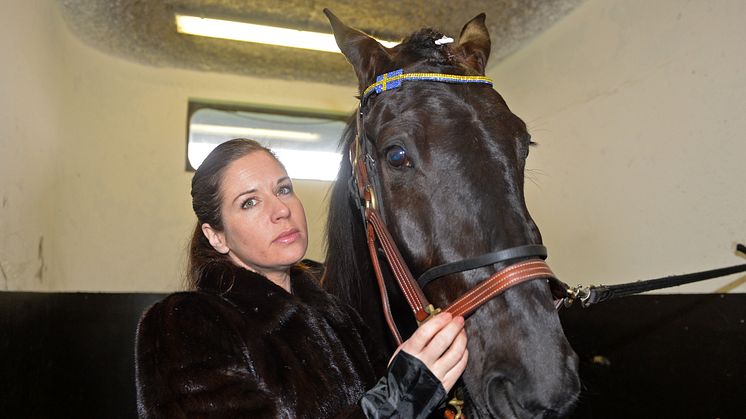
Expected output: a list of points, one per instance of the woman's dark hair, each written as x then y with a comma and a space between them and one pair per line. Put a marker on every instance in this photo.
206, 201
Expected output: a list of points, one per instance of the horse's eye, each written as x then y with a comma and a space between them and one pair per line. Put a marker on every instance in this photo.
397, 156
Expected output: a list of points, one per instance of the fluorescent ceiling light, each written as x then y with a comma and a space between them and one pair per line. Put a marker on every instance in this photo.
233, 131
247, 32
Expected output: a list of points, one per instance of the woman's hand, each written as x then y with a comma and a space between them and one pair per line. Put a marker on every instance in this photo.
440, 343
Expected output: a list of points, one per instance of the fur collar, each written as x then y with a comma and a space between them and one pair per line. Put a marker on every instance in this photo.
269, 304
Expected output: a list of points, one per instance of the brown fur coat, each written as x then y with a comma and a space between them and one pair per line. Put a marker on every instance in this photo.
242, 347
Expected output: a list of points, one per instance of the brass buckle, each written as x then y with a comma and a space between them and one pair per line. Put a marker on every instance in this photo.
431, 312
457, 404
370, 197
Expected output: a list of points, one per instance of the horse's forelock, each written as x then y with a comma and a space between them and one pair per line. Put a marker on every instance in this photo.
421, 46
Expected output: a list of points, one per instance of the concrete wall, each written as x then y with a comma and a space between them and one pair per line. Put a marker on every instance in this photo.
638, 108
31, 84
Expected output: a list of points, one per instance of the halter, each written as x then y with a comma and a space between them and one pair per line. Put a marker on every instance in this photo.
528, 263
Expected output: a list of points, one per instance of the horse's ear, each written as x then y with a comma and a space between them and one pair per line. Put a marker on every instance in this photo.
475, 43
367, 56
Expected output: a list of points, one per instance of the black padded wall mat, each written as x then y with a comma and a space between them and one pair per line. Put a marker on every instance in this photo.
68, 355
661, 356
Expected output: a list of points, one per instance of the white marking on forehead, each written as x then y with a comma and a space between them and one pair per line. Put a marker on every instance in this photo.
443, 40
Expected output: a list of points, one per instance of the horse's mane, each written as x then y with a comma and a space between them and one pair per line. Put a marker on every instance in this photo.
347, 263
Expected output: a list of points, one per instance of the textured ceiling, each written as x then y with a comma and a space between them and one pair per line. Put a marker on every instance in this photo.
144, 30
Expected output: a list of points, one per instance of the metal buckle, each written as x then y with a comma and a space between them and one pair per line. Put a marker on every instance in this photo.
579, 293
370, 197
457, 404
431, 312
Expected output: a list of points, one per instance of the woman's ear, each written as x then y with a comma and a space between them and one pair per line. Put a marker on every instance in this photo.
216, 238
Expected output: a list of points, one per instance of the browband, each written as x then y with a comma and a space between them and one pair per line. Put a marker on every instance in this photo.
393, 79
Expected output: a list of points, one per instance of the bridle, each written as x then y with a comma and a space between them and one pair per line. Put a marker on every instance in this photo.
526, 262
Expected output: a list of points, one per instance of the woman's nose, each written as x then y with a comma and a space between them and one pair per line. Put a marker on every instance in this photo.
280, 209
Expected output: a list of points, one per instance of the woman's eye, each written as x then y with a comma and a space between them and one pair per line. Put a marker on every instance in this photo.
251, 202
285, 190
397, 156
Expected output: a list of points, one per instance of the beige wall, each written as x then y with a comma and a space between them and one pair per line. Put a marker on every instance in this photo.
638, 107
30, 121
640, 111
92, 158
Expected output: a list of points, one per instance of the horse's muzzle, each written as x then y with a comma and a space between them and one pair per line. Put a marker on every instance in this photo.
550, 398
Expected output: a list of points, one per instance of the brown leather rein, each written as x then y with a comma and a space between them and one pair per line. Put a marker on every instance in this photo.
530, 264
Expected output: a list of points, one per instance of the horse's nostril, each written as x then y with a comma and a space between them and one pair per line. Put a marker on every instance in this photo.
551, 414
506, 399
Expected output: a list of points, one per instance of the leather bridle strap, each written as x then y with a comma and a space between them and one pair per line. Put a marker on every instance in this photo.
421, 308
499, 282
382, 286
412, 293
513, 253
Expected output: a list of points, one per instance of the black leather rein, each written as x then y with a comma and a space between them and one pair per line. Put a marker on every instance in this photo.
595, 294
519, 252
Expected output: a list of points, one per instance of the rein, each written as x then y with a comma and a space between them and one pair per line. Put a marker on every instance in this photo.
593, 294
528, 263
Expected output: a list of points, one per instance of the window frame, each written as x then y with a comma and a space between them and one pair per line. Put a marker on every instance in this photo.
195, 105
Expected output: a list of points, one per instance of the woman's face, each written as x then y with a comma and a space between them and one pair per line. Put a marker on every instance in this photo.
264, 225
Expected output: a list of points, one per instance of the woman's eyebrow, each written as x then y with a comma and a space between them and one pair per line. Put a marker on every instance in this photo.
253, 190
250, 191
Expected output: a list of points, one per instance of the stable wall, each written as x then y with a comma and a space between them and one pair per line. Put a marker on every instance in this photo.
638, 108
31, 83
94, 187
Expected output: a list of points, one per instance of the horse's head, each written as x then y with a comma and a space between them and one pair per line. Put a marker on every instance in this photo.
450, 160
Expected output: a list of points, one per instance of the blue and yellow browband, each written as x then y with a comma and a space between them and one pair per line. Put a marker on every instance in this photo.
392, 80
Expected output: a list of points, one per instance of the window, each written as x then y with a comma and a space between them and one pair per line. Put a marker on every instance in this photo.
304, 141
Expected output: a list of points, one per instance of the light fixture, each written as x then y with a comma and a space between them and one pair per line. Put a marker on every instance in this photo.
248, 32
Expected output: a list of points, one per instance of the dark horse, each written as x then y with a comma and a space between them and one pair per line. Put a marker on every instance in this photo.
450, 159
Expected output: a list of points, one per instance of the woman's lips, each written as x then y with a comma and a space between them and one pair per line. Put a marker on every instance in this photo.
288, 236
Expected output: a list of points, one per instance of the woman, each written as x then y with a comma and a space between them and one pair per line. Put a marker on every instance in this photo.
257, 337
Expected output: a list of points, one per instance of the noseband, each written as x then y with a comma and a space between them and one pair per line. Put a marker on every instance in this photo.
527, 262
